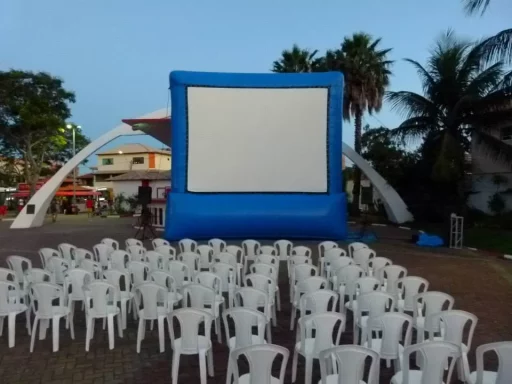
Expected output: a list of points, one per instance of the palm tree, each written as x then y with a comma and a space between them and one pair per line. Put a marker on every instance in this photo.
467, 95
296, 60
474, 6
366, 72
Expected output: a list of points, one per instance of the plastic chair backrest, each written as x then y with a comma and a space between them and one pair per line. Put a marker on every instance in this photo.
252, 298
131, 241
408, 287
187, 245
303, 271
80, 254
93, 267
503, 350
218, 245
251, 248
294, 260
147, 296
159, 242
191, 259
225, 257
166, 251
180, 272
267, 259
116, 277
264, 269
354, 247
76, 279
20, 265
139, 272
46, 253
237, 251
244, 319
333, 254
137, 252
198, 296
435, 355
262, 282
99, 294
392, 325
210, 280
362, 256
431, 302
301, 250
376, 263
9, 294
325, 246
261, 358
155, 260
321, 300
324, 324
114, 244
350, 362
284, 248
454, 326
45, 294
226, 272
390, 274
375, 303
59, 267
189, 320
348, 275
205, 255
65, 251
120, 259
340, 262
268, 250
38, 275
102, 253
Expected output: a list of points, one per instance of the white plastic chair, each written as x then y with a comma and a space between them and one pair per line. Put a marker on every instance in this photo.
389, 328
125, 296
251, 250
151, 305
181, 274
65, 250
191, 259
354, 247
268, 270
238, 252
114, 244
503, 375
74, 284
155, 260
344, 277
265, 284
294, 260
159, 242
20, 265
228, 258
437, 355
38, 275
301, 250
428, 303
308, 285
226, 273
191, 342
370, 305
8, 275
213, 281
321, 300
389, 276
300, 272
166, 280
217, 245
329, 258
119, 260
98, 306
244, 320
136, 252
43, 294
131, 241
257, 300
357, 287
268, 250
11, 305
310, 347
200, 297
59, 268
80, 254
261, 359
46, 254
187, 245
205, 256
284, 249
376, 263
139, 272
93, 267
362, 257
454, 329
407, 288
168, 252
102, 254
349, 361
335, 266
325, 246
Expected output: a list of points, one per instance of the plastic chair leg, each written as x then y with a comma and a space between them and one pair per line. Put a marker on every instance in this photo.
175, 366
12, 328
140, 333
34, 332
161, 333
110, 320
55, 333
294, 365
209, 355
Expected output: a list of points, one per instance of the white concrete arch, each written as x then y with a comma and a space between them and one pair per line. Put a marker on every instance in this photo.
42, 198
395, 207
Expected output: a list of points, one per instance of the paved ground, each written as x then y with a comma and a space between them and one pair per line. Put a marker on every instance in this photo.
482, 286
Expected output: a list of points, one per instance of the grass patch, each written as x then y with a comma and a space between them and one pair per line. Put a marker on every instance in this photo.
489, 239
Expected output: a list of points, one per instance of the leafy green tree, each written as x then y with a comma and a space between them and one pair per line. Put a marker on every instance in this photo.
297, 60
465, 96
33, 111
366, 70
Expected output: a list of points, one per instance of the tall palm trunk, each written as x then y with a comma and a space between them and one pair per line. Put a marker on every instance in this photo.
356, 192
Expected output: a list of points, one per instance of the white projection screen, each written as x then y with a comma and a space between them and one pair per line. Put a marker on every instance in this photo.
257, 140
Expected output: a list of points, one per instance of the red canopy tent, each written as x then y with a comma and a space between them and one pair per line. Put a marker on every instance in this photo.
66, 191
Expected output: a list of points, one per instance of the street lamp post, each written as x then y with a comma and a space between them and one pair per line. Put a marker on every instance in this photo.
73, 128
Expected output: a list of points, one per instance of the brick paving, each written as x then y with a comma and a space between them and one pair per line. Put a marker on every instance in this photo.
477, 284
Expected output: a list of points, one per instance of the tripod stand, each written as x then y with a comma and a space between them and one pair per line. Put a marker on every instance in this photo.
145, 225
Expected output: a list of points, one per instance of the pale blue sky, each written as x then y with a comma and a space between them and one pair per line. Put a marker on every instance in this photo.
116, 55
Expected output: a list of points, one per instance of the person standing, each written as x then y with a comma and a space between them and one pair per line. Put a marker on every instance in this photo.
53, 210
89, 204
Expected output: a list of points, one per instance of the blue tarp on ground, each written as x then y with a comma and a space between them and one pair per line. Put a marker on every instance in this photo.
426, 240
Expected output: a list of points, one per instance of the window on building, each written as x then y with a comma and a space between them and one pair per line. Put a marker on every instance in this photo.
138, 160
506, 133
107, 161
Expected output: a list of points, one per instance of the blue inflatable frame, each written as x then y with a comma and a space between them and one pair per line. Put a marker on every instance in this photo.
256, 215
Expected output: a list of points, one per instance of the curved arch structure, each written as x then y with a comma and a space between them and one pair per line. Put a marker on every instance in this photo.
396, 209
42, 198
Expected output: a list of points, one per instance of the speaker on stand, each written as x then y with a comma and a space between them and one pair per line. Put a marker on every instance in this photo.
145, 221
